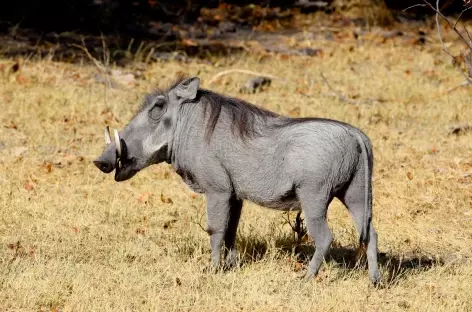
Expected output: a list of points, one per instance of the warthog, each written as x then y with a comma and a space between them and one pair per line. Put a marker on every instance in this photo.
232, 150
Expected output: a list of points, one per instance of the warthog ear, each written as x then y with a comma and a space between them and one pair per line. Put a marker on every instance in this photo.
188, 88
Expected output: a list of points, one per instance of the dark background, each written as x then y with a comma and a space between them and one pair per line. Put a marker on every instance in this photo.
132, 16
192, 26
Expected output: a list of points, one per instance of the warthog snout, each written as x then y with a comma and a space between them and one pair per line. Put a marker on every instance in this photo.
107, 160
104, 165
116, 157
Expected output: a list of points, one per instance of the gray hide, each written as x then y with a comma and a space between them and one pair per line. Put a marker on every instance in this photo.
231, 151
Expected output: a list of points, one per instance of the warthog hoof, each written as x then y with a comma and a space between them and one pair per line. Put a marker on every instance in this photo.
307, 276
376, 279
227, 266
212, 269
231, 261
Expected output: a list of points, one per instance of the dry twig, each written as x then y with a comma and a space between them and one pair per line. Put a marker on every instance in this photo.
344, 98
96, 62
242, 71
463, 84
467, 57
468, 43
338, 94
298, 228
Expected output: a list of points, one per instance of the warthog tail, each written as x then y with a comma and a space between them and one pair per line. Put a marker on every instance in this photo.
364, 237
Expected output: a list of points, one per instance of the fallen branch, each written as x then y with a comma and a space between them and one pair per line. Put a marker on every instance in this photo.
242, 71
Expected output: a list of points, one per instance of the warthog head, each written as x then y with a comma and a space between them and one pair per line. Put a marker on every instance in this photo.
145, 139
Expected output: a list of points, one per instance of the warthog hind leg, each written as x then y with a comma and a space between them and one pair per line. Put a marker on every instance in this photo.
356, 207
315, 205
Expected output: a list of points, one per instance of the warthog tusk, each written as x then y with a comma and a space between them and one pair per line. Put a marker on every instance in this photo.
118, 143
107, 135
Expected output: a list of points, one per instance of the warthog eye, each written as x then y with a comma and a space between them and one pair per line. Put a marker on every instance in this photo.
160, 101
157, 109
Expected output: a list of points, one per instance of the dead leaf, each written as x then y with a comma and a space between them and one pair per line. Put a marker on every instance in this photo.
298, 266
15, 67
306, 239
47, 167
28, 186
145, 197
409, 175
178, 282
189, 43
165, 199
168, 223
12, 125
130, 258
21, 79
295, 112
14, 246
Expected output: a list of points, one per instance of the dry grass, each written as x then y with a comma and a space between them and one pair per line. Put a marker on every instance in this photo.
72, 239
375, 12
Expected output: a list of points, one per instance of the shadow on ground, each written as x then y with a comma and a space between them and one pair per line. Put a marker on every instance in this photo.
394, 265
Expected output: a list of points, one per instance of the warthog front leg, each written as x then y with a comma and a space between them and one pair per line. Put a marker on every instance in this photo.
218, 216
230, 237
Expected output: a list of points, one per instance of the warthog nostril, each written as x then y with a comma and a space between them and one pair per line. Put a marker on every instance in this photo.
104, 166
